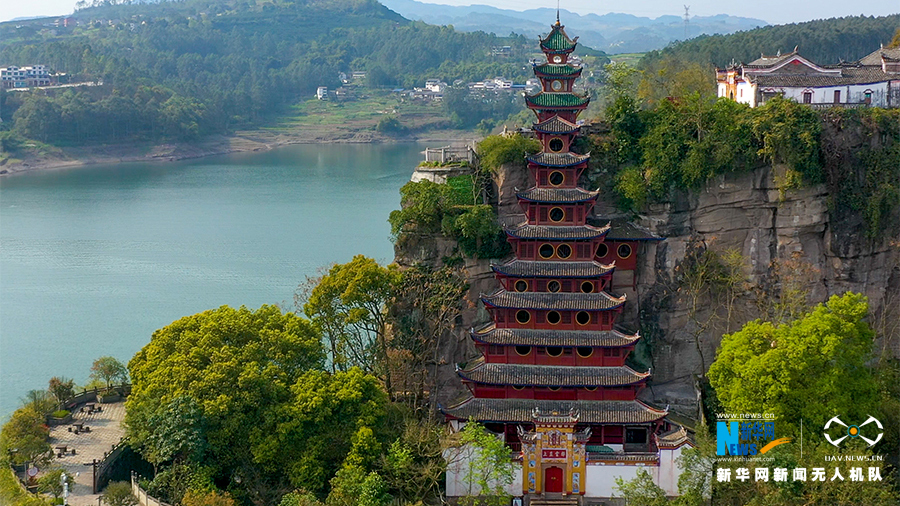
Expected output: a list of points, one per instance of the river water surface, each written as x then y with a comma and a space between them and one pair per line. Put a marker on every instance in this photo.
94, 259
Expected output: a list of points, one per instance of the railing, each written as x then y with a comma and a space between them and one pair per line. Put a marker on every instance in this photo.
103, 467
624, 458
856, 105
143, 497
450, 154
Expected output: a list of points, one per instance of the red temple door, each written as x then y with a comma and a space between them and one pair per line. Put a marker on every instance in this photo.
553, 479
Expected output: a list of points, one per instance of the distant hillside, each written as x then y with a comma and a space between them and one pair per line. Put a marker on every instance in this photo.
182, 69
824, 41
611, 33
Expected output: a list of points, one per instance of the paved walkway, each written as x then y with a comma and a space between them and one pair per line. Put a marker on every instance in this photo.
106, 431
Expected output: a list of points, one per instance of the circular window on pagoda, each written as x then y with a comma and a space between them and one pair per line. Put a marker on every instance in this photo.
554, 351
602, 250
563, 251
553, 286
624, 251
590, 389
518, 387
553, 389
546, 250
584, 351
557, 214
557, 178
556, 85
521, 285
523, 316
523, 350
583, 317
556, 145
553, 318
587, 287
557, 59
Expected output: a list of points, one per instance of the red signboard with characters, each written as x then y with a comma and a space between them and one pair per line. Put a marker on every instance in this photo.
553, 454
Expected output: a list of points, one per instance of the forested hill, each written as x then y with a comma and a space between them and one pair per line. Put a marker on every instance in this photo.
177, 70
825, 41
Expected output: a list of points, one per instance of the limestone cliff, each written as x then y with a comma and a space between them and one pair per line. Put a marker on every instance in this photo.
777, 238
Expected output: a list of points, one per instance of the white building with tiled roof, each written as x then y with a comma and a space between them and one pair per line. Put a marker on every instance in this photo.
872, 81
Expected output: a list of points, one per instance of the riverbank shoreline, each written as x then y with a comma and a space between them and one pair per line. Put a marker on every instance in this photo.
239, 142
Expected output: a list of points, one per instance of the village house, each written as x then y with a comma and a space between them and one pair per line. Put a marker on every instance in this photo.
24, 77
872, 81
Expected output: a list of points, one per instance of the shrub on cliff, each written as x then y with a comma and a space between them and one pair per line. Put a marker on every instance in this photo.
496, 150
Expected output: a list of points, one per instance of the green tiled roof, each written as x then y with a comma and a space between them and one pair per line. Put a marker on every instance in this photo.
558, 40
551, 69
545, 99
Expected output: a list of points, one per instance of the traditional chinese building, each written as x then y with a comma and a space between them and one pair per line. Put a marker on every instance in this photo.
552, 378
872, 81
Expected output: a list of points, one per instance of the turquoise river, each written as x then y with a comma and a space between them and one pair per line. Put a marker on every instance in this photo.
94, 259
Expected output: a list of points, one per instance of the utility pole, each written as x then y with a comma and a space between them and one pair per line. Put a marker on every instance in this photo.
687, 20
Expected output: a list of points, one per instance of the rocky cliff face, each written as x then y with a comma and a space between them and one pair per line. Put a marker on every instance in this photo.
775, 241
785, 241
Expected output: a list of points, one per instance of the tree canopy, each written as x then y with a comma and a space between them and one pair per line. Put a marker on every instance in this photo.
801, 369
217, 380
109, 369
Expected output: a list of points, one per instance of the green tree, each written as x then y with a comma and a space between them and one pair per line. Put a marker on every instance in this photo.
422, 207
351, 303
50, 482
799, 370
118, 493
224, 375
61, 388
487, 462
25, 435
109, 369
209, 498
641, 490
332, 421
179, 432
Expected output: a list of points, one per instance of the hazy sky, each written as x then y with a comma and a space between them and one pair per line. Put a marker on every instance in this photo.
773, 11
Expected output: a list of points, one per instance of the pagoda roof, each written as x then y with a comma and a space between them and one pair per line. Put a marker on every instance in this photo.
557, 100
554, 232
557, 195
556, 270
620, 230
565, 301
558, 41
555, 125
558, 70
490, 334
523, 410
674, 438
566, 159
549, 375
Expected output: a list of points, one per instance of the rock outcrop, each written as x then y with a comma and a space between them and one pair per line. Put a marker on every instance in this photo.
781, 238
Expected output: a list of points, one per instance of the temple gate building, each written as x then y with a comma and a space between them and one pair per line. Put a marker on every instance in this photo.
552, 378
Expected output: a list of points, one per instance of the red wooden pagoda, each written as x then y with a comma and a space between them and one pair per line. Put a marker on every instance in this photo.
552, 377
